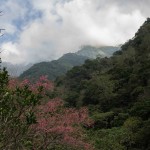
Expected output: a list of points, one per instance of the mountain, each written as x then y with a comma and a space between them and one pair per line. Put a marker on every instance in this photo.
15, 70
94, 52
54, 68
117, 92
59, 67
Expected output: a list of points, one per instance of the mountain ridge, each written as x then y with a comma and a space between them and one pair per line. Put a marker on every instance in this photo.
59, 67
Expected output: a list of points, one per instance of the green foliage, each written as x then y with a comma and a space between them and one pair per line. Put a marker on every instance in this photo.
142, 137
103, 120
100, 90
16, 113
133, 124
141, 109
110, 139
133, 135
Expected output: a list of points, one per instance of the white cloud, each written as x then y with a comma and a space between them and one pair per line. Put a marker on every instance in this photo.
12, 10
65, 25
10, 51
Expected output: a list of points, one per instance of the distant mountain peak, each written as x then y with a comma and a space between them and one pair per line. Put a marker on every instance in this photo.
94, 52
15, 70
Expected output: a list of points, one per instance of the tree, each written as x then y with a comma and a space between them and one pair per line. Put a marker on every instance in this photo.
17, 112
60, 126
30, 120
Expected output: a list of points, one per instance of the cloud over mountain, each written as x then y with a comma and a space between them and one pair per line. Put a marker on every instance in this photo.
39, 30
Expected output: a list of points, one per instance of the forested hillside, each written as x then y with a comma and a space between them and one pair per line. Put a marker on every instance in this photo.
117, 92
54, 68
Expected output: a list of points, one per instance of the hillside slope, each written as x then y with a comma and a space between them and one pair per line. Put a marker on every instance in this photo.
59, 67
54, 68
117, 92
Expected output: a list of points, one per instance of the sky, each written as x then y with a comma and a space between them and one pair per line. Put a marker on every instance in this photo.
44, 30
